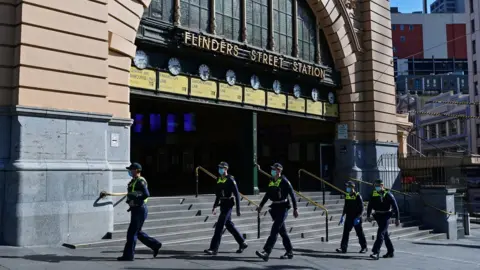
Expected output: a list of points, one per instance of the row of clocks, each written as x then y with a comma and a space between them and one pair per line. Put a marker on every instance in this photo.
174, 67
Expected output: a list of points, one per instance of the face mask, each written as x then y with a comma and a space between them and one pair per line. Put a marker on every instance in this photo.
273, 173
130, 173
349, 189
221, 171
378, 188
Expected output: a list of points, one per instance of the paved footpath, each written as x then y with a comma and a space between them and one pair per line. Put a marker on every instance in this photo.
435, 255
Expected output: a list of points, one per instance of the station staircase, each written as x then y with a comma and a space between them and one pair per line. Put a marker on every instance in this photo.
188, 219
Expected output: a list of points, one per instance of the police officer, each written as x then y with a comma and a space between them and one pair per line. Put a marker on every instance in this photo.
278, 191
226, 196
353, 209
385, 206
137, 197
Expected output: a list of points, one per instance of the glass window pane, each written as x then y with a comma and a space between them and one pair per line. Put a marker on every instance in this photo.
194, 17
204, 20
185, 18
228, 8
219, 22
306, 32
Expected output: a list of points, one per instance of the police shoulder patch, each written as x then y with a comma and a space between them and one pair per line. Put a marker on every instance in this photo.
142, 181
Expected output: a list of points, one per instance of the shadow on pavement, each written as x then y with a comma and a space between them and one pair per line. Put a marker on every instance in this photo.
52, 258
279, 267
448, 244
162, 252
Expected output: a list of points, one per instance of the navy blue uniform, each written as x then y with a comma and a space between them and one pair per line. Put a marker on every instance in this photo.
137, 197
226, 196
385, 206
278, 192
353, 209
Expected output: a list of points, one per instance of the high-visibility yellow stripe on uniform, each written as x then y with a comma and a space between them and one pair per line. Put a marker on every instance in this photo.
135, 182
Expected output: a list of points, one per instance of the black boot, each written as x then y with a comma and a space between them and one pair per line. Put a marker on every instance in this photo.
155, 251
388, 255
124, 259
264, 255
363, 250
375, 256
339, 250
242, 247
287, 255
210, 252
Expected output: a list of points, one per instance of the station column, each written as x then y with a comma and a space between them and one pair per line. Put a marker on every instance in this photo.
249, 146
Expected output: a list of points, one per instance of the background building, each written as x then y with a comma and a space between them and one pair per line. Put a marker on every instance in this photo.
473, 47
447, 6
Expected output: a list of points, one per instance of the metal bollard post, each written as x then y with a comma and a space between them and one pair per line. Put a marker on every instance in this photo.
466, 222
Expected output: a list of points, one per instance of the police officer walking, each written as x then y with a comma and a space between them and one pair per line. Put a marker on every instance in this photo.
385, 206
227, 196
353, 209
137, 198
278, 191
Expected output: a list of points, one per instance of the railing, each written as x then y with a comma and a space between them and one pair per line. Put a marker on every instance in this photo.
319, 179
250, 202
406, 195
308, 199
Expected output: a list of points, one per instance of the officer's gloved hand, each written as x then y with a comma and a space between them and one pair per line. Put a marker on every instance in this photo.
356, 221
214, 211
369, 219
397, 222
259, 209
103, 194
238, 213
341, 221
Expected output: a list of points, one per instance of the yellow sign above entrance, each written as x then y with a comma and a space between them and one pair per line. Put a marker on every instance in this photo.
172, 84
259, 56
276, 101
254, 97
204, 89
315, 108
144, 79
331, 110
296, 104
230, 93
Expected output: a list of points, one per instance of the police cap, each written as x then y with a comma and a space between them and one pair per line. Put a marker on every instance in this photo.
378, 182
134, 166
277, 166
223, 164
350, 184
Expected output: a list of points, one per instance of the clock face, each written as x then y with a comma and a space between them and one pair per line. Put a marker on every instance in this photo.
277, 86
140, 60
255, 82
296, 91
174, 66
204, 72
315, 94
331, 98
231, 78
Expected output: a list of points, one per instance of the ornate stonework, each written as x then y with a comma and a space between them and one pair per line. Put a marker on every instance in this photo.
351, 4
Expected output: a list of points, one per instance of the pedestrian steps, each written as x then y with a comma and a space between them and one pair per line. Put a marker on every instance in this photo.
183, 220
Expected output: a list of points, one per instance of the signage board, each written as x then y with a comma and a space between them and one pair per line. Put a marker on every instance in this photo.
203, 89
276, 101
296, 104
315, 108
232, 93
331, 110
342, 131
172, 84
143, 79
254, 97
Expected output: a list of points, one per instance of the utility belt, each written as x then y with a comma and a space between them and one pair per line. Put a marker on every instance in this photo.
382, 212
226, 198
279, 202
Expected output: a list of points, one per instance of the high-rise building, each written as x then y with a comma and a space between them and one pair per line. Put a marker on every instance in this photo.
473, 39
447, 6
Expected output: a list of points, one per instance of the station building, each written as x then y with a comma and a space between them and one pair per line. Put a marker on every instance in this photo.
88, 86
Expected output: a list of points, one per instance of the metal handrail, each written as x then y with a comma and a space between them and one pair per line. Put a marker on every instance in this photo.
306, 198
319, 179
243, 196
408, 195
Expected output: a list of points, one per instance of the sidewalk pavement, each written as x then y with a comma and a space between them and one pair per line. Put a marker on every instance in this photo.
308, 255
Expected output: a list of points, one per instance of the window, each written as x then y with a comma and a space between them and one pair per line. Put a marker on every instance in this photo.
471, 6
478, 130
453, 127
475, 87
474, 47
472, 24
477, 111
394, 49
227, 18
195, 14
443, 129
410, 27
433, 131
402, 38
474, 67
307, 34
402, 27
257, 22
434, 82
462, 126
282, 26
160, 10
393, 27
428, 83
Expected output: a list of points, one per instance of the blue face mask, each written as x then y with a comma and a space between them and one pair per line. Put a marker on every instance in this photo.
349, 189
221, 171
130, 173
378, 188
273, 173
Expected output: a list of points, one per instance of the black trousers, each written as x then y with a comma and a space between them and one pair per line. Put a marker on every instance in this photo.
225, 220
347, 228
383, 221
279, 214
